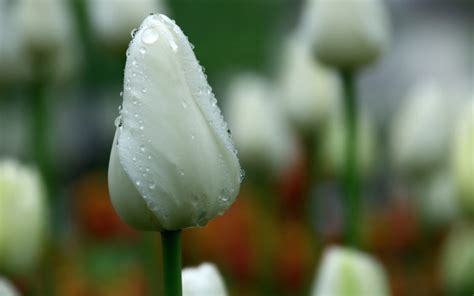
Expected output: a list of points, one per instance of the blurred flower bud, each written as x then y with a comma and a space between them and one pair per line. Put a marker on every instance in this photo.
333, 145
47, 36
43, 25
204, 280
346, 272
463, 158
457, 262
258, 127
309, 90
22, 217
113, 20
347, 34
7, 288
420, 130
173, 164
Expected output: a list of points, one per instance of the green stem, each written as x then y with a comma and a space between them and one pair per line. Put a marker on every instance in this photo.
171, 241
351, 180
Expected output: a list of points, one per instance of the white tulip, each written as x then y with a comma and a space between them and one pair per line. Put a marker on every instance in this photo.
258, 126
113, 20
44, 25
347, 272
173, 164
333, 144
309, 90
47, 38
22, 217
348, 33
463, 158
7, 288
457, 260
204, 280
420, 130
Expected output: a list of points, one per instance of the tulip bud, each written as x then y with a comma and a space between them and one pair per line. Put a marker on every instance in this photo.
47, 37
112, 30
348, 272
258, 126
204, 280
7, 288
457, 261
310, 91
347, 34
333, 145
44, 25
420, 130
22, 217
463, 158
173, 164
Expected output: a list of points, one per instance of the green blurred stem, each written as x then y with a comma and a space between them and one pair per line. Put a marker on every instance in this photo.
351, 180
171, 241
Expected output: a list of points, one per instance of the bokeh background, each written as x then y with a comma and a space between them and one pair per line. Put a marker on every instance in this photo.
61, 91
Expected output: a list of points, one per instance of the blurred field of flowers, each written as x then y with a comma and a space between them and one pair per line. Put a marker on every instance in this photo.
61, 77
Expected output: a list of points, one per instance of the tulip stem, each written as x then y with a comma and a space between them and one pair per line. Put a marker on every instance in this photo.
171, 241
351, 180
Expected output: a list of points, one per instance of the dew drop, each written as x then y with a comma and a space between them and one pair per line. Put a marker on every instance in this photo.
149, 158
133, 32
149, 36
181, 172
152, 186
118, 121
193, 137
144, 90
142, 127
142, 148
121, 93
138, 183
173, 45
142, 50
183, 103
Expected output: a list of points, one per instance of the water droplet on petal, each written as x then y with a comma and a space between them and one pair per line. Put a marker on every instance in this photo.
142, 50
149, 36
152, 186
142, 148
138, 183
121, 93
144, 90
118, 121
133, 32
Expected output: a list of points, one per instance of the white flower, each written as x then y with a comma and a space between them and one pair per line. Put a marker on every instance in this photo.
346, 272
22, 217
258, 126
43, 25
204, 280
420, 130
47, 37
457, 261
347, 33
333, 146
309, 90
113, 20
463, 158
173, 164
7, 288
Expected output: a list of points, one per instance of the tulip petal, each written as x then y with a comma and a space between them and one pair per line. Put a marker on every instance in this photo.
125, 198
